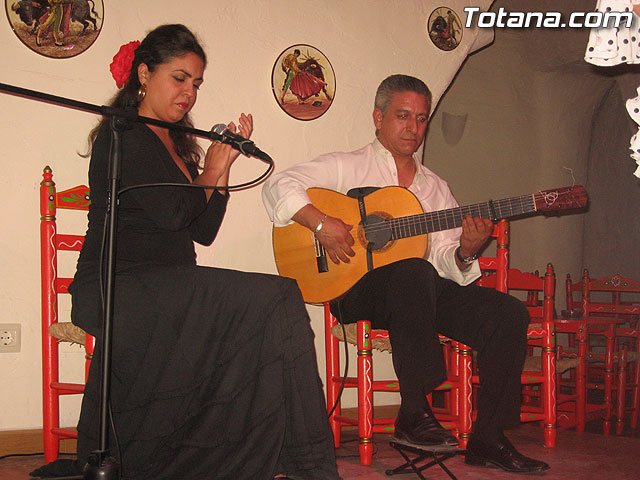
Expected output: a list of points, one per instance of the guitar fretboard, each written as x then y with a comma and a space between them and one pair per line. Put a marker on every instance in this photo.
451, 218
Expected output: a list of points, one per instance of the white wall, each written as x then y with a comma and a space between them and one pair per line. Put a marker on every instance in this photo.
365, 40
540, 117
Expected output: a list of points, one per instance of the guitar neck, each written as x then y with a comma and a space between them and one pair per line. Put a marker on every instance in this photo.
451, 218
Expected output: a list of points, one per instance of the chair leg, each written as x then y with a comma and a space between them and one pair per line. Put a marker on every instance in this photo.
622, 387
608, 386
635, 401
365, 393
50, 440
332, 370
581, 386
464, 395
51, 404
549, 392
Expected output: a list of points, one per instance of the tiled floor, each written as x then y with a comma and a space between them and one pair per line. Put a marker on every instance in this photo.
577, 456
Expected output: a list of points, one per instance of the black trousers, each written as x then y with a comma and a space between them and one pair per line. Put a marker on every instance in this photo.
410, 300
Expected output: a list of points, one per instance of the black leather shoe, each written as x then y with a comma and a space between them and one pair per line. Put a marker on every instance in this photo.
501, 454
423, 429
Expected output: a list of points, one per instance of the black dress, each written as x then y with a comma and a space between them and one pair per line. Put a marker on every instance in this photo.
214, 371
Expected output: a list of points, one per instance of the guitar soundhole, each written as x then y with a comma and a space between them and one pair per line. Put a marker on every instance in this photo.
377, 230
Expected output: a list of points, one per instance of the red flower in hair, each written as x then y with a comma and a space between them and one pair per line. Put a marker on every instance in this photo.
122, 61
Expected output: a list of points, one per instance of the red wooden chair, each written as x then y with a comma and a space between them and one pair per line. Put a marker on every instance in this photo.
539, 376
495, 269
617, 286
456, 417
573, 302
51, 242
579, 333
540, 369
573, 296
456, 412
624, 304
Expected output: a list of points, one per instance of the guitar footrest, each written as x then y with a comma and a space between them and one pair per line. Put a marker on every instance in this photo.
430, 455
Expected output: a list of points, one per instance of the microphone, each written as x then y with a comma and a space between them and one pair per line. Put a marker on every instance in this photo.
222, 134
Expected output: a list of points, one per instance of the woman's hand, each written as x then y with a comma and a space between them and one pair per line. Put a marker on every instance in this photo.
217, 157
245, 130
220, 156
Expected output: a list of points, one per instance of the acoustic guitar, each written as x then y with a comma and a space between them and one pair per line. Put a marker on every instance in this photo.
389, 225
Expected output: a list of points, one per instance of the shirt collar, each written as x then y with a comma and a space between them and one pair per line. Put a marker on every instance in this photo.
380, 150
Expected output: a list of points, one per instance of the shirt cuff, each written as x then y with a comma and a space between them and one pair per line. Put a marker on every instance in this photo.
452, 272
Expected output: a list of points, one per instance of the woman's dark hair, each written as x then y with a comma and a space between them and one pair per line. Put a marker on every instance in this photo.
158, 47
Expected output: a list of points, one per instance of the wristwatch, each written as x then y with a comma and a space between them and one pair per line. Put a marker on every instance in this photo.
466, 260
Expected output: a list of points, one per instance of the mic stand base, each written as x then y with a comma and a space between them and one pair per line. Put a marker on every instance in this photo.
101, 466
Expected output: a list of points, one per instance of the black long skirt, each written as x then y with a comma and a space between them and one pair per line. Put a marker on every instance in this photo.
214, 376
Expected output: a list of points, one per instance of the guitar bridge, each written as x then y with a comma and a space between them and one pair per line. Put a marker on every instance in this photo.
321, 256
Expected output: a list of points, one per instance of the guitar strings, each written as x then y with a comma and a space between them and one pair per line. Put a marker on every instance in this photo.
454, 215
527, 203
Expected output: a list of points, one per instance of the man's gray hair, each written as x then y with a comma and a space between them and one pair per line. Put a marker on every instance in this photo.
399, 83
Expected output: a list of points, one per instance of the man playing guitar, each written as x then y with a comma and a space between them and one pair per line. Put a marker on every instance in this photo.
416, 299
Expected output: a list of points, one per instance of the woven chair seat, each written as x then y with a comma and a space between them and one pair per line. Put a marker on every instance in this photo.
381, 344
599, 357
633, 356
533, 363
67, 332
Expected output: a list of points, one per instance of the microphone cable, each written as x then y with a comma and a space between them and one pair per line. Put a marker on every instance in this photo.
101, 276
230, 188
346, 362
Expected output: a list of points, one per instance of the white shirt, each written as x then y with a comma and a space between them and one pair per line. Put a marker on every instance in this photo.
284, 194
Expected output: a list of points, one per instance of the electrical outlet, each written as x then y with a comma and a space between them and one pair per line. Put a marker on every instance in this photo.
9, 337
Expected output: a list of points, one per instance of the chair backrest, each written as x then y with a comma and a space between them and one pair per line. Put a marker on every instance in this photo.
51, 241
52, 285
625, 295
495, 269
532, 285
573, 297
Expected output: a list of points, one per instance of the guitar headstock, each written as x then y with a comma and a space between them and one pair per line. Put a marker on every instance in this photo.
563, 198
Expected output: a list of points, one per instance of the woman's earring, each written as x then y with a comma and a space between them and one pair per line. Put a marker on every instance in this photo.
142, 92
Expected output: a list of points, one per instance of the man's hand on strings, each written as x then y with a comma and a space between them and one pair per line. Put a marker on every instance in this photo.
334, 235
475, 233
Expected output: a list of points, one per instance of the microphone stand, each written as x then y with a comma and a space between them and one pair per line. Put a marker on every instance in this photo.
101, 465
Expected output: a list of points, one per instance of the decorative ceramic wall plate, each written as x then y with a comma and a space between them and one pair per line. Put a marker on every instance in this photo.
56, 28
444, 28
303, 82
